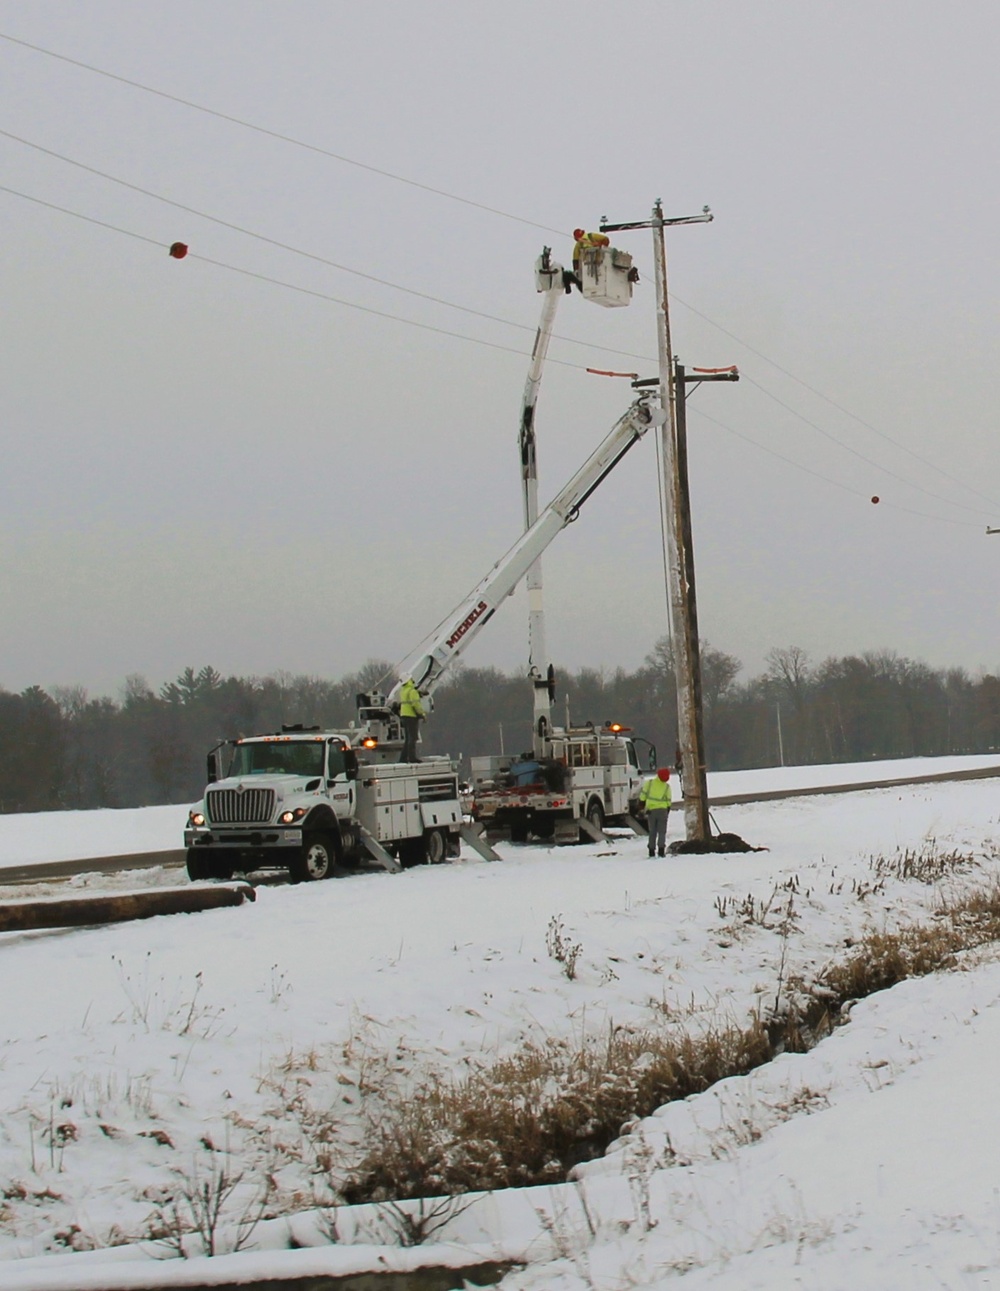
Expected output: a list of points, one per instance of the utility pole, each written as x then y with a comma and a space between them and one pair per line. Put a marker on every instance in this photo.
699, 818
688, 673
676, 522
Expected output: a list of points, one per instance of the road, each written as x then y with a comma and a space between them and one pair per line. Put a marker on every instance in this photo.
44, 870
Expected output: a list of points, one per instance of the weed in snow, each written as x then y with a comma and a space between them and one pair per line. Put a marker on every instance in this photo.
561, 949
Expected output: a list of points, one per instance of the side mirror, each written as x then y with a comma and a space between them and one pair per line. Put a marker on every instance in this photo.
351, 764
213, 766
652, 757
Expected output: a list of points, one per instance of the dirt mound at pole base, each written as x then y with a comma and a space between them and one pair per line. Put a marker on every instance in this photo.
717, 843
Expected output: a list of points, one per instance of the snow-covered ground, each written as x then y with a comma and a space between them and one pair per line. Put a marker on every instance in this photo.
34, 838
130, 1052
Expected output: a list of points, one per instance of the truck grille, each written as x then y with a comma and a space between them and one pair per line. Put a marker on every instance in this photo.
233, 807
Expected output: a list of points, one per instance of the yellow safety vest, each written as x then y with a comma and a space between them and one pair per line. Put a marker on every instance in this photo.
656, 794
589, 240
409, 701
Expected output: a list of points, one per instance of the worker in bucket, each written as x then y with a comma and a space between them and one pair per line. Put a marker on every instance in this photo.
583, 240
411, 714
655, 798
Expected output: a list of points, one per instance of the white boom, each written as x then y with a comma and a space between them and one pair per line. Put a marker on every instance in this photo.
551, 283
439, 650
605, 277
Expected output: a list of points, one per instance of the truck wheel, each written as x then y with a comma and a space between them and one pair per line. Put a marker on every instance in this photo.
435, 847
519, 833
595, 814
314, 861
197, 865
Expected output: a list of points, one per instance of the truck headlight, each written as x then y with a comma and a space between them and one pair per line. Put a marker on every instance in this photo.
290, 817
196, 818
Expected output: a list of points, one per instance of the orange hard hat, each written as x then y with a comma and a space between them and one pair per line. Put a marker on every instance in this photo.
664, 773
579, 233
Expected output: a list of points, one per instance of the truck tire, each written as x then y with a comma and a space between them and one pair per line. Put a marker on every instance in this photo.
595, 814
435, 846
315, 860
203, 865
519, 833
429, 849
197, 865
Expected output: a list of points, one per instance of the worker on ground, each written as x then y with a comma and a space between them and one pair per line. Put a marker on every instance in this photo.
411, 714
583, 240
655, 798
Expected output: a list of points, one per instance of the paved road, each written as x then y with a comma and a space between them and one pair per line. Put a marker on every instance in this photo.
149, 860
91, 865
979, 773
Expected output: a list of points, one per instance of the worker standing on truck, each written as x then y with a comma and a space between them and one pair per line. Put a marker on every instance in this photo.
411, 714
655, 797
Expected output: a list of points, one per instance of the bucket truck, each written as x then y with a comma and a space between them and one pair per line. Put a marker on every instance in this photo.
303, 799
575, 773
605, 277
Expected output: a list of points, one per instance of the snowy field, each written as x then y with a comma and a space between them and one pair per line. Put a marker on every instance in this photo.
133, 1054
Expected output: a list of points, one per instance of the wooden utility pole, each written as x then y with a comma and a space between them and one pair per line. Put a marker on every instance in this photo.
696, 731
678, 546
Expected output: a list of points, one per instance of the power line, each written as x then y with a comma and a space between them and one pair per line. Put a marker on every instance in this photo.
861, 457
285, 246
276, 134
461, 336
833, 402
289, 286
299, 143
104, 224
965, 524
492, 345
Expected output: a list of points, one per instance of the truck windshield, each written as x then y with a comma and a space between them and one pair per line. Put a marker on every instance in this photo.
285, 757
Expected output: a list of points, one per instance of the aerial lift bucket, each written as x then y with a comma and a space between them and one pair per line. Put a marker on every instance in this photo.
606, 276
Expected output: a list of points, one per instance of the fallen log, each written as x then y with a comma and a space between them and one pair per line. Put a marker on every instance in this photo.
118, 907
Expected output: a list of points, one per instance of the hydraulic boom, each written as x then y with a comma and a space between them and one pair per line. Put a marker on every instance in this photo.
550, 282
437, 652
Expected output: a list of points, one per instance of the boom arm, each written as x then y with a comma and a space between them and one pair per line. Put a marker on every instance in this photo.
438, 651
550, 282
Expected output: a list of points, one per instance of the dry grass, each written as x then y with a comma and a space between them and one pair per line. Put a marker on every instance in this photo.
926, 864
882, 959
531, 1116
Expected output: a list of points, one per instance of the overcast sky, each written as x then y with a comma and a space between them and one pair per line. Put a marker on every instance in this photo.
200, 466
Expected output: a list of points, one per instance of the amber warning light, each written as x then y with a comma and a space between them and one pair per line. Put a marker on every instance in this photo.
369, 742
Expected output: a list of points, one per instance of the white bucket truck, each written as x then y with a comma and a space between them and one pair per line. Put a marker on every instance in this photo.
577, 778
580, 776
306, 800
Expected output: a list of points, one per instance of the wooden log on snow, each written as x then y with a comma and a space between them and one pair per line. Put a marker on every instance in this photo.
118, 907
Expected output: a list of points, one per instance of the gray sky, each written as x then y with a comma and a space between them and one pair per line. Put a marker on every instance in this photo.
203, 467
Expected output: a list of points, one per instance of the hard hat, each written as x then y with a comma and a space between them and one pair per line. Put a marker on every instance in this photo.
664, 773
579, 233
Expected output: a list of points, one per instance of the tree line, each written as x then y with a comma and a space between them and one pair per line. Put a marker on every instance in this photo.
62, 749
